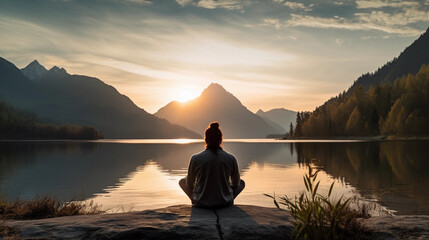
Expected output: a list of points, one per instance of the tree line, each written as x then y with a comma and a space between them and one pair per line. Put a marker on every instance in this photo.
17, 124
392, 108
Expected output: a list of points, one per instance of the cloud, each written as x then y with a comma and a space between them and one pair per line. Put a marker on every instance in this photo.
339, 41
214, 4
362, 4
374, 37
226, 4
184, 2
294, 5
143, 2
396, 23
273, 21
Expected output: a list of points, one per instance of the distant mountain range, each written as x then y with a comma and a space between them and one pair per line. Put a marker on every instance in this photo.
279, 116
58, 97
216, 104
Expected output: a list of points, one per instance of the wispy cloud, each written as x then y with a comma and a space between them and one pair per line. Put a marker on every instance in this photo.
339, 41
294, 5
395, 23
273, 21
226, 4
184, 2
142, 2
385, 3
216, 4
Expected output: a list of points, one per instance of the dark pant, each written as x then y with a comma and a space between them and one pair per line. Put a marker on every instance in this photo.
188, 190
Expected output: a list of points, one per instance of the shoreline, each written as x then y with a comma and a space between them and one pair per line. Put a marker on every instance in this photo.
252, 140
367, 138
187, 222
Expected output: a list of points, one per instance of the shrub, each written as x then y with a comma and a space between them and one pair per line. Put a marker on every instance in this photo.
319, 217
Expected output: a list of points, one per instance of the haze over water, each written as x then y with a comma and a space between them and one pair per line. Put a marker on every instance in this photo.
143, 174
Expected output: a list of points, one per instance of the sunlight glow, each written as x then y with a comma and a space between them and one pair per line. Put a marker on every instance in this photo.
187, 93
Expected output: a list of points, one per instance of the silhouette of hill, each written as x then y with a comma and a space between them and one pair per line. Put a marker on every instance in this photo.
60, 98
408, 62
280, 116
216, 104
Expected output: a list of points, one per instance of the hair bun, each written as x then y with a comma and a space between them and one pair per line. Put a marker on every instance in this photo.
214, 125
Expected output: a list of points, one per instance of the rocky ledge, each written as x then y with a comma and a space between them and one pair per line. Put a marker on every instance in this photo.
186, 222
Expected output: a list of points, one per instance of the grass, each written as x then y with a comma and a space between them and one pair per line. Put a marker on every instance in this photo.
38, 208
45, 207
320, 217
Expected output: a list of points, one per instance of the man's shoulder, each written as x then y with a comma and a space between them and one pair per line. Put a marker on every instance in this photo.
226, 154
200, 154
207, 153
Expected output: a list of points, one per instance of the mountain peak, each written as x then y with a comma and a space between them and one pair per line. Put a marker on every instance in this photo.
216, 94
34, 62
259, 112
217, 104
34, 70
57, 70
215, 87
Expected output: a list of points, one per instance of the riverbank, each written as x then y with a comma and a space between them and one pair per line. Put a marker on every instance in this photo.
186, 222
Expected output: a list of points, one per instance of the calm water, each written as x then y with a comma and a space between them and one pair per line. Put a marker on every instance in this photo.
143, 174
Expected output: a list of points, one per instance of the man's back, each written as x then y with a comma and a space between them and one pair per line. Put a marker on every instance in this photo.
212, 175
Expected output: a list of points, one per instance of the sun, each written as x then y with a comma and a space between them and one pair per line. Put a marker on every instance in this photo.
187, 93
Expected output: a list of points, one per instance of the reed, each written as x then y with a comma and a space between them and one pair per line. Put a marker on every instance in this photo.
320, 217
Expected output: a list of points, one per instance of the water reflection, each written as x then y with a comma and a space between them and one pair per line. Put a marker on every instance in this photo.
136, 175
394, 172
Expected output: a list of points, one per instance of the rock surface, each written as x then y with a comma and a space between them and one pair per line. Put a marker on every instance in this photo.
399, 227
175, 222
186, 222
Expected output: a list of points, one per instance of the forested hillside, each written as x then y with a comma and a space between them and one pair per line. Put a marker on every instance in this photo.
391, 108
408, 62
16, 124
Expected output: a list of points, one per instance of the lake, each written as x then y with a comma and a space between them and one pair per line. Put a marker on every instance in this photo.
124, 175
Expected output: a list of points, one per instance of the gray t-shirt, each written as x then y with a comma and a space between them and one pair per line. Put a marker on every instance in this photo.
211, 175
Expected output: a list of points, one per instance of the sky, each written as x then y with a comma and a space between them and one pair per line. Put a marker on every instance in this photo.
269, 54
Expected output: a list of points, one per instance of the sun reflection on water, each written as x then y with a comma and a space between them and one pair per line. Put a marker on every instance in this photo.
152, 187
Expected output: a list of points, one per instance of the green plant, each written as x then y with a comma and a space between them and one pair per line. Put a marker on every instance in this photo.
317, 216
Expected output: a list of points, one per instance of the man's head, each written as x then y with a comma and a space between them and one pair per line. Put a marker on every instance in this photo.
213, 136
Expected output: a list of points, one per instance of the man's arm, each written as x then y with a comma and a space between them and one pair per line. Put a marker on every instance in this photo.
235, 174
190, 178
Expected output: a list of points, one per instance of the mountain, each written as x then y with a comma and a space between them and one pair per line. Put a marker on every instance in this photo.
280, 116
60, 98
216, 104
392, 101
408, 62
34, 71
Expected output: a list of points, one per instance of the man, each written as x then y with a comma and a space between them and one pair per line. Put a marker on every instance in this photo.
213, 179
